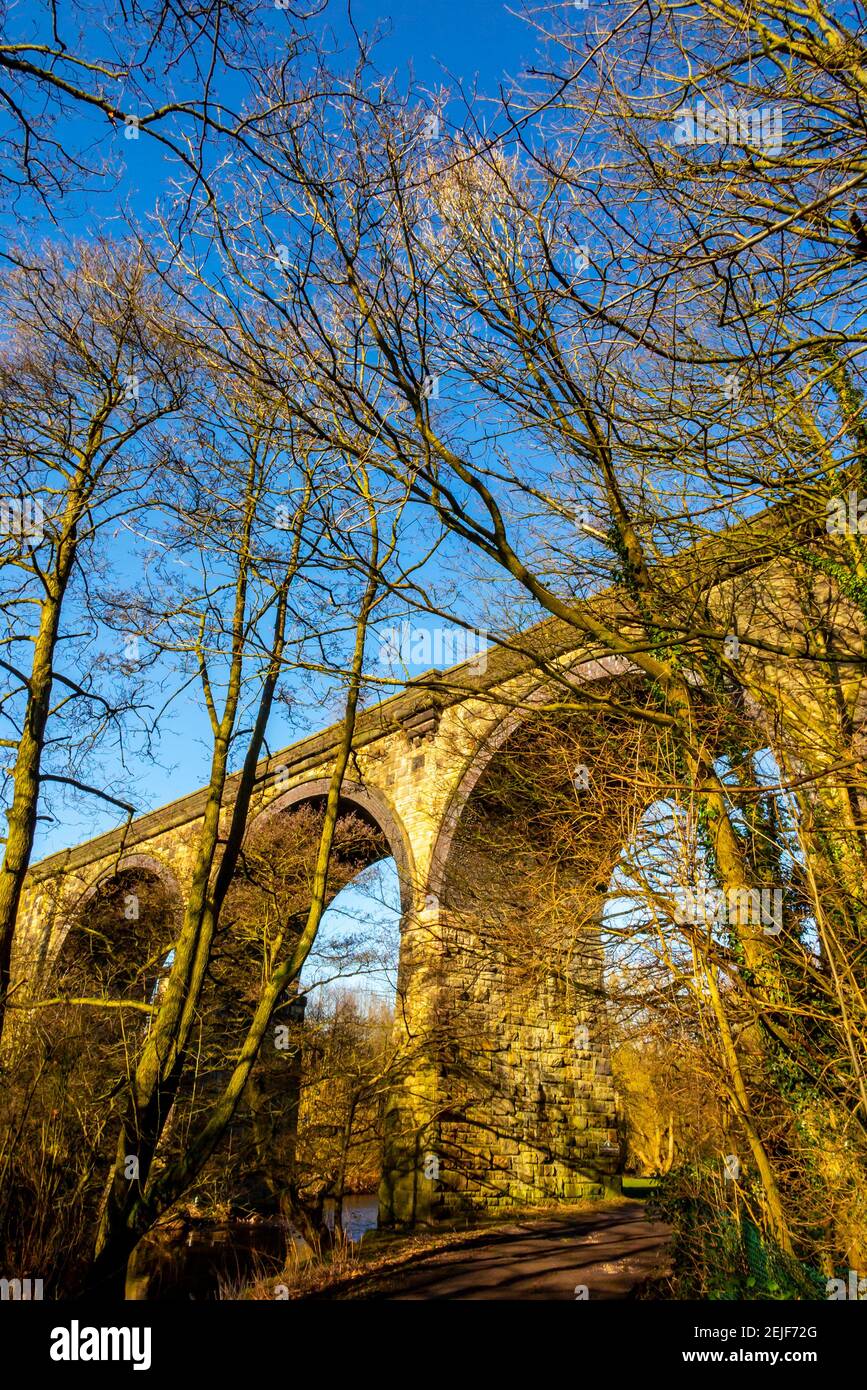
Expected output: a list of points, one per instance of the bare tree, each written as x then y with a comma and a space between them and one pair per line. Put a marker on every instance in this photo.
90, 374
563, 396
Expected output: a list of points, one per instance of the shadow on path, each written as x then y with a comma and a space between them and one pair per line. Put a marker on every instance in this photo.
609, 1249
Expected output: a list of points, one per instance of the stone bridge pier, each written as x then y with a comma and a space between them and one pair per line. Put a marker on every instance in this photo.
506, 1095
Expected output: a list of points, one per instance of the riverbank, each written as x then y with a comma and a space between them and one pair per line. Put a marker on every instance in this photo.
208, 1255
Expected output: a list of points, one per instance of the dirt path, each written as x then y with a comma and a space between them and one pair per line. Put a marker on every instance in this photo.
608, 1249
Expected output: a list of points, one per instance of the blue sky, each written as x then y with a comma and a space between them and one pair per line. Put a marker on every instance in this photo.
476, 44
477, 38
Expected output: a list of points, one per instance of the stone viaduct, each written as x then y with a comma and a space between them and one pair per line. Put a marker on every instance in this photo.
505, 1093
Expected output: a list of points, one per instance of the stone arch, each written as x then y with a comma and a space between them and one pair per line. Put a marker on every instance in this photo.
146, 863
142, 868
278, 1085
480, 761
469, 779
372, 806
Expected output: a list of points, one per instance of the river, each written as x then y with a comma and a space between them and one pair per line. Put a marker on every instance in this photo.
204, 1260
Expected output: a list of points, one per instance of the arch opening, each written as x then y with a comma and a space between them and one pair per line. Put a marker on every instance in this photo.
306, 1133
120, 934
673, 939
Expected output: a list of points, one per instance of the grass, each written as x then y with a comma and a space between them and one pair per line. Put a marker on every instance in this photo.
639, 1187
